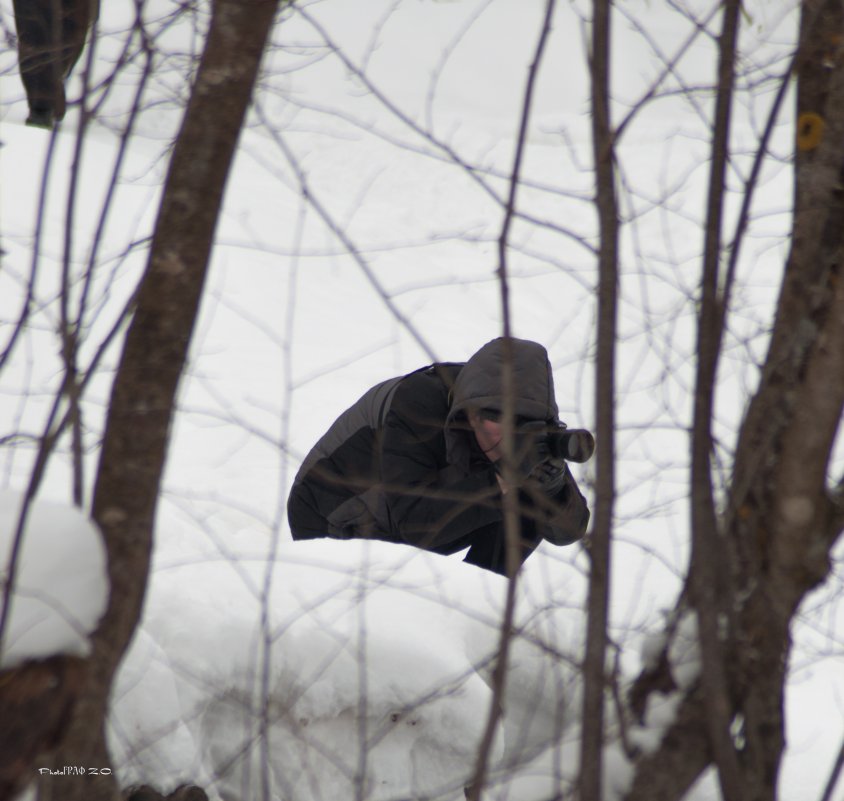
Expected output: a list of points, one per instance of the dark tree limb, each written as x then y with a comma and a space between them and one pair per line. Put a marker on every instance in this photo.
36, 699
709, 576
599, 545
781, 518
510, 500
834, 775
142, 401
668, 773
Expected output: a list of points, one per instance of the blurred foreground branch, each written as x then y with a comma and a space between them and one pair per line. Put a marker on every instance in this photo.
143, 395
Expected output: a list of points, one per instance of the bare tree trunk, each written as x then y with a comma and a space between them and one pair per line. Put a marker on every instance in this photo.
780, 512
781, 518
154, 354
592, 739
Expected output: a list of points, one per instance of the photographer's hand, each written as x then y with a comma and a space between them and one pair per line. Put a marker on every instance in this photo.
530, 451
551, 476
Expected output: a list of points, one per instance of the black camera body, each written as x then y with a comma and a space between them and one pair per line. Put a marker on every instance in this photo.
571, 444
536, 442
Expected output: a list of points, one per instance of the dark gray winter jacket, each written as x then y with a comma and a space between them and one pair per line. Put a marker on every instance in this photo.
403, 465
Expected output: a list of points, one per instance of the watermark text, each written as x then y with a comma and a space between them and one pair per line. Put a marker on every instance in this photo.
74, 770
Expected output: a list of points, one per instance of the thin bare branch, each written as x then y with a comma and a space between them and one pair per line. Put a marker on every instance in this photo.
511, 496
709, 577
599, 549
834, 775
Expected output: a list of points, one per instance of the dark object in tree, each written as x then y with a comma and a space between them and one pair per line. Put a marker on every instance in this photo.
36, 699
51, 36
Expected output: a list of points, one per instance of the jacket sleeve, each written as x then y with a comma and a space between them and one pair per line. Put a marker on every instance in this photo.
562, 519
428, 505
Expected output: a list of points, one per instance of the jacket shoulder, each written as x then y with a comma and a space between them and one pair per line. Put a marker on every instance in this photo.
423, 396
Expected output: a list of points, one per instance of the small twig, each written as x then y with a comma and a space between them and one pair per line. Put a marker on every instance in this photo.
266, 617
47, 442
834, 774
26, 307
343, 236
449, 153
620, 707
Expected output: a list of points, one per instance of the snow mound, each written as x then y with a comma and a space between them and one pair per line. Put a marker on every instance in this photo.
60, 588
368, 678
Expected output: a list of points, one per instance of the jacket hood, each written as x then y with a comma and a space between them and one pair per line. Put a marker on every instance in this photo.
479, 385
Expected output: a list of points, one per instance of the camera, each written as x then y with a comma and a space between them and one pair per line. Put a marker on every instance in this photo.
538, 441
571, 444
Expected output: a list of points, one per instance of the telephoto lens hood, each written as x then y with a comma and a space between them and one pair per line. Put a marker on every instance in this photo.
572, 444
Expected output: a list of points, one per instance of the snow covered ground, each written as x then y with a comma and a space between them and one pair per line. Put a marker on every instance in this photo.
60, 586
317, 669
364, 672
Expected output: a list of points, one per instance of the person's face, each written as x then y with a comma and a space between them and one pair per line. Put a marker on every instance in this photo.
487, 430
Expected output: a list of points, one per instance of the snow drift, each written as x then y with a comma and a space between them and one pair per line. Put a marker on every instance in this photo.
60, 587
363, 672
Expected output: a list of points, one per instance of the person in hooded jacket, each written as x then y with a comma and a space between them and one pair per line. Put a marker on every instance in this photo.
417, 460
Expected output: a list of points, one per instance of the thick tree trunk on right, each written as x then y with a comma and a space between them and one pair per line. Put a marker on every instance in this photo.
781, 518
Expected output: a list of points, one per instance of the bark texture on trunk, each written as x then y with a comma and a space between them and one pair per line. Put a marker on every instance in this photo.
781, 518
143, 395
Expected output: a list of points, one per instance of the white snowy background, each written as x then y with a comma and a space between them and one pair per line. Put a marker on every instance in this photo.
293, 331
